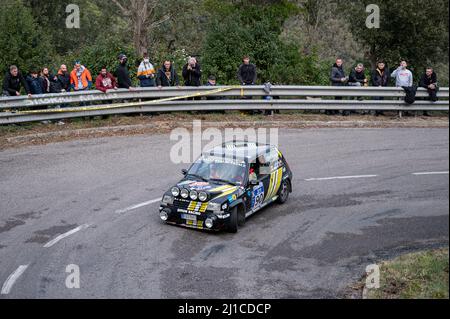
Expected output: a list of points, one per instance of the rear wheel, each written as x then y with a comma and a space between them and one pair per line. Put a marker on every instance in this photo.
233, 223
283, 193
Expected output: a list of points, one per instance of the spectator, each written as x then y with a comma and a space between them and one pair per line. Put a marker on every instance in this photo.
338, 78
192, 73
123, 75
429, 82
403, 76
212, 81
80, 78
63, 78
146, 72
34, 83
49, 83
167, 76
358, 76
380, 78
105, 81
13, 82
45, 81
247, 72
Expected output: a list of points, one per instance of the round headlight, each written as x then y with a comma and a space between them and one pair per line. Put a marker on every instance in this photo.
203, 196
209, 223
175, 191
193, 195
164, 216
184, 193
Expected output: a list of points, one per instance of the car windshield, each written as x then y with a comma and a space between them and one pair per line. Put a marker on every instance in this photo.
218, 169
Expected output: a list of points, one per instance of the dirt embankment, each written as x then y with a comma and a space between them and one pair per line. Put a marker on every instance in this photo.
39, 133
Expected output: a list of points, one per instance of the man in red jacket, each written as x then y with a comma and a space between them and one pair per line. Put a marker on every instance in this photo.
105, 81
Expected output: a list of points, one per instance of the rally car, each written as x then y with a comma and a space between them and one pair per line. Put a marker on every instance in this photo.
226, 185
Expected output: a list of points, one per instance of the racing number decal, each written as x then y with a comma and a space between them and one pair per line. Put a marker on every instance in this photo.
258, 196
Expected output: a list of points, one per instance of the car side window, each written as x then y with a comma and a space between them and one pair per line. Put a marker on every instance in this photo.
273, 160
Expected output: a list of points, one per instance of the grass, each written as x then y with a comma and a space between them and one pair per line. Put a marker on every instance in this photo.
422, 275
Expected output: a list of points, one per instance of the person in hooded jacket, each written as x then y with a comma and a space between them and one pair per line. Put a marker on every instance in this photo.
122, 73
80, 77
167, 75
34, 83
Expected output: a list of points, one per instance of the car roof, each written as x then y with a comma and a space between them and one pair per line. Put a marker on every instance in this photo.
240, 150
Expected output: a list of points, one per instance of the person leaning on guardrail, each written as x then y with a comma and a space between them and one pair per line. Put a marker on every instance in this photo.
34, 83
122, 73
167, 75
64, 78
105, 81
337, 78
80, 77
13, 82
146, 72
380, 78
429, 82
403, 77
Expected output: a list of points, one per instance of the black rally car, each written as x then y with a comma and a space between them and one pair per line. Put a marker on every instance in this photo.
226, 185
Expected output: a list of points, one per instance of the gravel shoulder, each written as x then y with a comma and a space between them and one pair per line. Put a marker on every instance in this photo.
40, 134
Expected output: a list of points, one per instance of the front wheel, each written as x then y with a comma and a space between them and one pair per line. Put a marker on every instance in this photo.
283, 193
233, 223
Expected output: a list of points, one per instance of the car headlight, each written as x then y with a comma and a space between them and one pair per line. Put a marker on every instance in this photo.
224, 206
203, 196
184, 193
209, 223
175, 191
193, 195
167, 199
215, 207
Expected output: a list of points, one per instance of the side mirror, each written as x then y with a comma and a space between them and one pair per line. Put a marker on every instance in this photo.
184, 172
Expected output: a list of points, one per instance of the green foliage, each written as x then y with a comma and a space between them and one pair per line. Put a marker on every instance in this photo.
413, 30
22, 41
255, 30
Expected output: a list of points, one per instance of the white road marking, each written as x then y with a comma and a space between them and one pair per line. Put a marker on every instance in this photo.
9, 283
431, 173
128, 209
339, 177
62, 236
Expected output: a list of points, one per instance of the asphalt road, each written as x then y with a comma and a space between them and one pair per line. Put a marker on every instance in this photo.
312, 247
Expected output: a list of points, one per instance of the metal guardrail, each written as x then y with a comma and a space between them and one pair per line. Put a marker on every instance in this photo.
155, 93
288, 101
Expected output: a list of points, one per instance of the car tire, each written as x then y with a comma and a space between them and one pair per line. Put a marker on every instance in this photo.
241, 217
283, 193
233, 222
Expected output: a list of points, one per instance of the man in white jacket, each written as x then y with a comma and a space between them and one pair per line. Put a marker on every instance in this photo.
403, 76
146, 72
